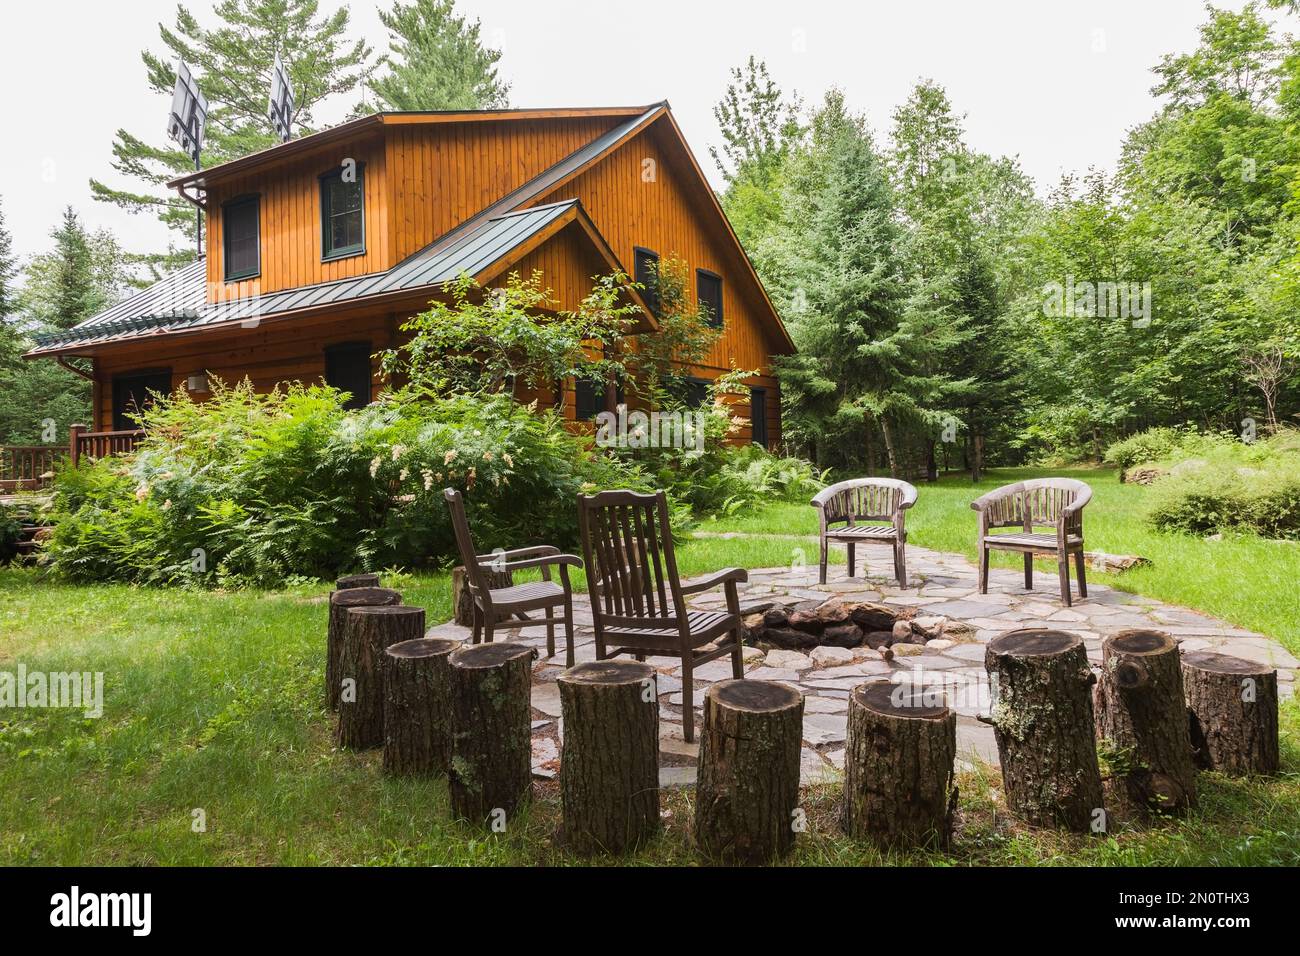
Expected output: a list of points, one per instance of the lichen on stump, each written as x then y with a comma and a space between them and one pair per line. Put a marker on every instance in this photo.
1043, 721
899, 788
417, 707
747, 788
369, 632
1232, 713
1142, 721
340, 602
491, 732
609, 760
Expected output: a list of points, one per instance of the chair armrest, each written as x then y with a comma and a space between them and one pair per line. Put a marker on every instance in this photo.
545, 560
713, 580
1075, 506
517, 553
997, 494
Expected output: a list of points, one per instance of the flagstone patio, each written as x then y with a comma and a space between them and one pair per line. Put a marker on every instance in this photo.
947, 586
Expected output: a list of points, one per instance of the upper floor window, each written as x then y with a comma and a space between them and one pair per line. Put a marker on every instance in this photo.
342, 213
239, 231
708, 289
646, 268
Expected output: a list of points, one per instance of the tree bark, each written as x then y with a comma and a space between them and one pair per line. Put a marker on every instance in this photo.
899, 787
888, 435
491, 732
417, 707
747, 789
931, 463
369, 632
1042, 719
340, 603
1232, 713
461, 600
1142, 716
357, 581
609, 763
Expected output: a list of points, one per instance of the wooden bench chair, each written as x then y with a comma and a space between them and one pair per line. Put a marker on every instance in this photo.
495, 604
1038, 503
638, 603
861, 500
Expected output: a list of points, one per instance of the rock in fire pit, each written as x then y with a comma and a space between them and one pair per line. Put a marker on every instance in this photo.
838, 623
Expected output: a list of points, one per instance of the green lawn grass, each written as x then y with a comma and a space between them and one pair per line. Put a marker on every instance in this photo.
213, 704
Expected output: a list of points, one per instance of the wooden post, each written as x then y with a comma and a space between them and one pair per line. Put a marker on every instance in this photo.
1042, 719
1232, 713
491, 732
747, 790
609, 765
899, 788
357, 581
369, 632
340, 603
1142, 716
417, 707
74, 443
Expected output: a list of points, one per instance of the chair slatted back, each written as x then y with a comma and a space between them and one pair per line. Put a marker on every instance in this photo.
474, 574
628, 549
863, 499
1037, 502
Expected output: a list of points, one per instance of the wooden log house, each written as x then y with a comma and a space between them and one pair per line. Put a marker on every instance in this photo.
319, 248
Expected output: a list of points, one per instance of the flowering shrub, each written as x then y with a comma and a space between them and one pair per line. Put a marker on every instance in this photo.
249, 489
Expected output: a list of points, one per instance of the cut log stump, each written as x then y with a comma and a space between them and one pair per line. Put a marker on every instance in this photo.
1142, 718
357, 581
340, 603
461, 600
417, 707
369, 632
1042, 719
609, 761
899, 788
747, 788
491, 732
1232, 713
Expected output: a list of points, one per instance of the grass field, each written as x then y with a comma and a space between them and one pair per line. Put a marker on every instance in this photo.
213, 704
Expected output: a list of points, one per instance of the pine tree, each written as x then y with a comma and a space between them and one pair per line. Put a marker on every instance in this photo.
437, 61
8, 272
232, 64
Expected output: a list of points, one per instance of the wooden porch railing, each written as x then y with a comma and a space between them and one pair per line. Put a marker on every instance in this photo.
29, 467
84, 444
25, 467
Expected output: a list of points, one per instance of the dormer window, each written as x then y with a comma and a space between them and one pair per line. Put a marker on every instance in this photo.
239, 232
342, 213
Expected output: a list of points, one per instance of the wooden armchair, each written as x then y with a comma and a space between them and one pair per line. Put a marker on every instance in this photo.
1040, 502
865, 499
493, 604
638, 602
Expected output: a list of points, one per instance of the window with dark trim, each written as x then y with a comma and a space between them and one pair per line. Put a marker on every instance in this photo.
758, 416
588, 399
239, 237
134, 392
342, 214
347, 368
708, 289
645, 265
691, 391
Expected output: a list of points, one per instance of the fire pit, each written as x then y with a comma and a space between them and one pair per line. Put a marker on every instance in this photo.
838, 623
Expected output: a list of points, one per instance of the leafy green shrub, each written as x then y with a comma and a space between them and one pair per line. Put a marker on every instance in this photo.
1216, 484
1148, 446
249, 489
10, 530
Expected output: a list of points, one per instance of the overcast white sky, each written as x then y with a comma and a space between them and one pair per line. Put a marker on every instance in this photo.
1054, 83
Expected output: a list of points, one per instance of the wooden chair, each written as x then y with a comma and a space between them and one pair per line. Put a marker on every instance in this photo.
495, 604
865, 499
1040, 502
637, 601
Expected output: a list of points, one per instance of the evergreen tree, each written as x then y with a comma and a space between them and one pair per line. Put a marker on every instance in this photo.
437, 61
232, 64
8, 272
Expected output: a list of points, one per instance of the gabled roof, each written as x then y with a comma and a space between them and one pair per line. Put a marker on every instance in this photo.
177, 303
482, 248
